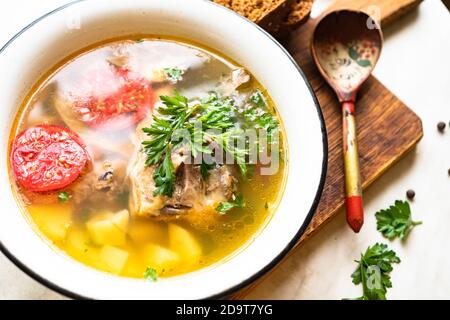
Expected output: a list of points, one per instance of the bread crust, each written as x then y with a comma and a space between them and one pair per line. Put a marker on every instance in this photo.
277, 17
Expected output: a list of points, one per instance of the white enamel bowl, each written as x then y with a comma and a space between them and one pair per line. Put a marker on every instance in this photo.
51, 38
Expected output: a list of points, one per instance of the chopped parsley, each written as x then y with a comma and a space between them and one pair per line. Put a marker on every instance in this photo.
174, 74
151, 274
256, 114
224, 207
396, 221
64, 196
258, 99
204, 169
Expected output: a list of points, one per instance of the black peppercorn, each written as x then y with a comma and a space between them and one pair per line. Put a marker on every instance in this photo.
441, 126
410, 194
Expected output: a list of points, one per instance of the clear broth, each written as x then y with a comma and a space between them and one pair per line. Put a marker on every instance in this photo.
64, 223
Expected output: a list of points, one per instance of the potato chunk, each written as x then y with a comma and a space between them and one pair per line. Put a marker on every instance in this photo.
78, 245
113, 259
160, 258
121, 220
183, 242
53, 219
109, 229
77, 241
143, 231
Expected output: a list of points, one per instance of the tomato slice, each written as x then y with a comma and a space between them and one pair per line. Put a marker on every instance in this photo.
48, 157
116, 100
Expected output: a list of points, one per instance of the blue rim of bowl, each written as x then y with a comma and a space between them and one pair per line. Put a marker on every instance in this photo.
226, 293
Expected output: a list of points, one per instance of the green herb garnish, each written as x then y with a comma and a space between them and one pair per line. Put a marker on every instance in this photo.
64, 196
151, 274
258, 99
176, 115
259, 117
396, 221
174, 74
224, 207
373, 271
204, 169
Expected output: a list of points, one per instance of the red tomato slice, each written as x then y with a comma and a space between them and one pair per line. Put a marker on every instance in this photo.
126, 104
47, 157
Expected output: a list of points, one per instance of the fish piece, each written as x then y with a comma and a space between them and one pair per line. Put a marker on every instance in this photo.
192, 194
103, 183
237, 79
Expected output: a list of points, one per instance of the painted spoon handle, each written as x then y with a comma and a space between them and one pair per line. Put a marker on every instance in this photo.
353, 194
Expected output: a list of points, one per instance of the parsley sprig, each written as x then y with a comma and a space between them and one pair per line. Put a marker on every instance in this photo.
396, 221
373, 271
175, 114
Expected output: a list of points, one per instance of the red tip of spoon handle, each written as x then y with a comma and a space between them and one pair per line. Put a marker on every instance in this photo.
355, 212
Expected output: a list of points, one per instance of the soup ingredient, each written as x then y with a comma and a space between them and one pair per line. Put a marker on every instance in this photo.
396, 221
410, 194
258, 99
78, 242
237, 79
144, 230
184, 243
224, 207
117, 109
160, 258
258, 117
174, 74
48, 157
64, 196
79, 245
213, 113
53, 219
441, 126
113, 259
373, 271
151, 274
192, 193
104, 182
205, 168
109, 228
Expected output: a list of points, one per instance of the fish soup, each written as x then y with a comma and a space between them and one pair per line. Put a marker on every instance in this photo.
96, 167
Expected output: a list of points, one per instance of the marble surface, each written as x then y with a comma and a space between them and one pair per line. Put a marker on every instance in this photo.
415, 66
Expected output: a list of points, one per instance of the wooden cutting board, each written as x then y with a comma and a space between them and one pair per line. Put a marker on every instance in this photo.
387, 128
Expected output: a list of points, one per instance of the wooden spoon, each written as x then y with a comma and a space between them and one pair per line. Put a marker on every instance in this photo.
346, 46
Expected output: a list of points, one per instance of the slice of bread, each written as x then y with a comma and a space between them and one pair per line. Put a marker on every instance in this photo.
269, 14
299, 13
277, 17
